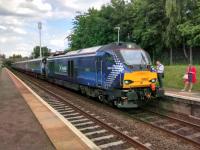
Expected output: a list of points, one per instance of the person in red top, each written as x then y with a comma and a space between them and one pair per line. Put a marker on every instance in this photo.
190, 77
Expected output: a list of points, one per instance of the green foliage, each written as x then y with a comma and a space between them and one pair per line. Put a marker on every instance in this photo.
174, 77
148, 24
36, 52
96, 27
173, 10
190, 28
156, 26
2, 56
7, 62
15, 58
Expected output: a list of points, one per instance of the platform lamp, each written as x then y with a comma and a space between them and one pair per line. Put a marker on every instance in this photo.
40, 28
118, 30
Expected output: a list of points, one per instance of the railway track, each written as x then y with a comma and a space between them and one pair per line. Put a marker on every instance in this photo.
182, 129
102, 133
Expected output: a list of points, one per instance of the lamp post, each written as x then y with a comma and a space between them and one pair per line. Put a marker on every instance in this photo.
40, 28
118, 30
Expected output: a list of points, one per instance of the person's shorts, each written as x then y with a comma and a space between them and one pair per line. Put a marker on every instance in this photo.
190, 77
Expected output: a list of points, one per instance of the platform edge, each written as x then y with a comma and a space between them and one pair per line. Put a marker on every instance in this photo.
88, 142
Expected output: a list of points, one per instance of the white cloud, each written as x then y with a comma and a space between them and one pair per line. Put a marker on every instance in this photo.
59, 43
25, 7
3, 40
83, 5
12, 20
39, 5
22, 49
18, 23
3, 27
18, 30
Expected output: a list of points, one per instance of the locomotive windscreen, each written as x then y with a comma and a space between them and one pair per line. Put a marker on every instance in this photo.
135, 57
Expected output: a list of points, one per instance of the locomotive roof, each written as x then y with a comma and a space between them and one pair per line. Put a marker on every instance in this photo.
93, 50
84, 51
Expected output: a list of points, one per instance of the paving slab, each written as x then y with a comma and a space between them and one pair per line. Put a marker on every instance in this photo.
19, 128
193, 96
62, 133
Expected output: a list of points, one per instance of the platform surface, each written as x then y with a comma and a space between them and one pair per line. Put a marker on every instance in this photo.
39, 126
19, 129
193, 96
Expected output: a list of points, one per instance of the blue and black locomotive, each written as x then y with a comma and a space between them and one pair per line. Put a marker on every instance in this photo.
115, 73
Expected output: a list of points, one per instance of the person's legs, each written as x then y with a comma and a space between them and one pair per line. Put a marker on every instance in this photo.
190, 87
190, 77
185, 87
160, 80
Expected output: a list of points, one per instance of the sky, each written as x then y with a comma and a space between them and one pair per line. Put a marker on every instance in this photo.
19, 23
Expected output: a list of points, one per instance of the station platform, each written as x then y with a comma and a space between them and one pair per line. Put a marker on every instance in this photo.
186, 103
192, 96
28, 123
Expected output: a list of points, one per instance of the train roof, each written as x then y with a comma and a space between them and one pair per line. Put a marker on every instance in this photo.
93, 50
87, 51
31, 60
103, 47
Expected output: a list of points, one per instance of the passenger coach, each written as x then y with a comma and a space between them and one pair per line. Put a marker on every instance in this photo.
115, 73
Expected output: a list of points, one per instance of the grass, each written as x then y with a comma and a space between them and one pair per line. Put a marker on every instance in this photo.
174, 77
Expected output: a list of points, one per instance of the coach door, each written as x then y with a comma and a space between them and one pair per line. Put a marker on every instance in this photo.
51, 68
70, 69
99, 73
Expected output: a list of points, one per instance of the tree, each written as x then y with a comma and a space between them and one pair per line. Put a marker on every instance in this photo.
16, 58
190, 28
166, 24
7, 62
96, 27
177, 12
173, 12
2, 56
36, 52
149, 25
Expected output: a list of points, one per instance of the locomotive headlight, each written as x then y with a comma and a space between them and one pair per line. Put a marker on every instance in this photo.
153, 80
128, 81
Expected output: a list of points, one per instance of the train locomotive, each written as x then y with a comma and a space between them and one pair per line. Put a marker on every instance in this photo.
117, 74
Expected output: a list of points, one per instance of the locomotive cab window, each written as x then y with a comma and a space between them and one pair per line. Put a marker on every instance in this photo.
135, 57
